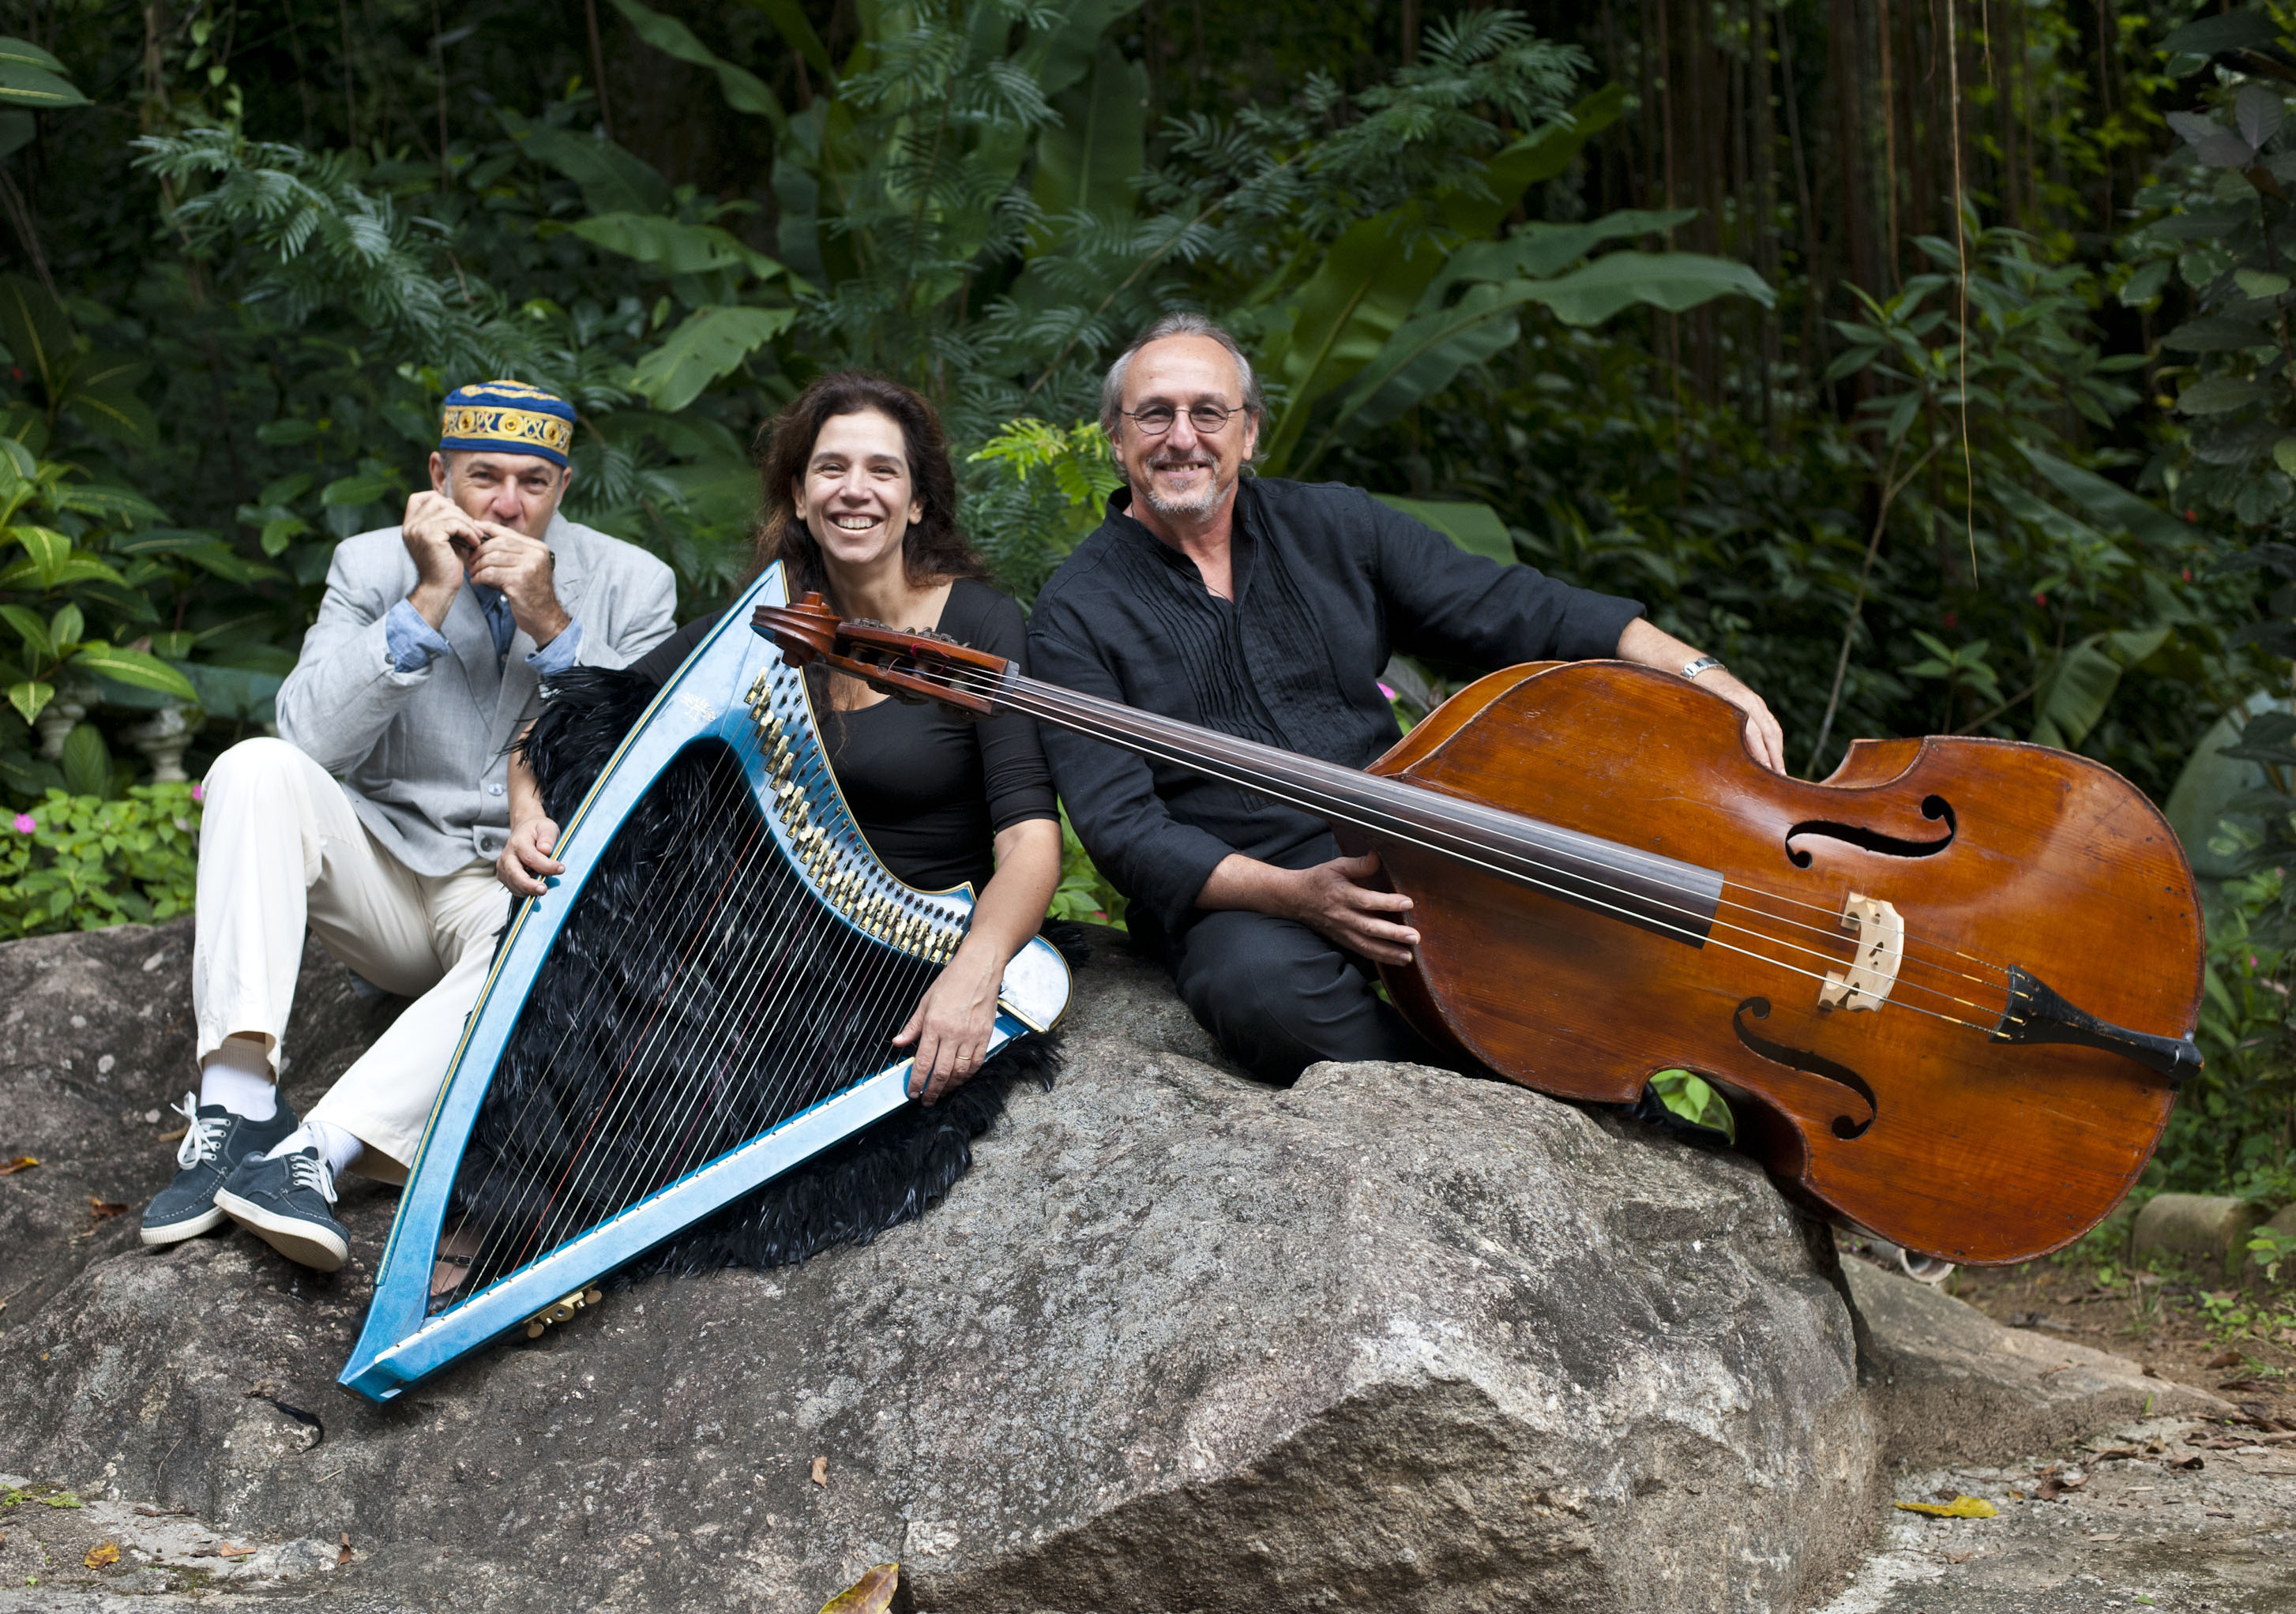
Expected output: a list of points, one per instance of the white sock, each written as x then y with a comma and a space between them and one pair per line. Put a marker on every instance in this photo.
338, 1148
238, 1076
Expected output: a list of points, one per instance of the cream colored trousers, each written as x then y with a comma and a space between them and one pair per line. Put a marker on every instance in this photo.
281, 848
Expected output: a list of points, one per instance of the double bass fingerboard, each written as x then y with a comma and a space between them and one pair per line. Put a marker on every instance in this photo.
834, 860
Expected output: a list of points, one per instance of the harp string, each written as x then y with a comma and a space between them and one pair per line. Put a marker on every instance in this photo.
681, 1127
761, 929
604, 973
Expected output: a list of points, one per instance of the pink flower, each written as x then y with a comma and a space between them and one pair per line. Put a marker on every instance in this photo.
200, 790
26, 823
1387, 691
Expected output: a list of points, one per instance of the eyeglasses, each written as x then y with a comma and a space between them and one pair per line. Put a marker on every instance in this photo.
1157, 419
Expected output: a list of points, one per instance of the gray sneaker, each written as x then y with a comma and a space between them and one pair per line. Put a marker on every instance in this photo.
283, 1202
214, 1142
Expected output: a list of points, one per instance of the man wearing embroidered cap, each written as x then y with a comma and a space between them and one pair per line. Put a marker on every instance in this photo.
375, 819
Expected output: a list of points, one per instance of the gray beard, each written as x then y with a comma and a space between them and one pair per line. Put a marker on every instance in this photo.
1194, 505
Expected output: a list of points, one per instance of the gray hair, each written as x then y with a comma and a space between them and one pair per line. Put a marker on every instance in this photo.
1112, 389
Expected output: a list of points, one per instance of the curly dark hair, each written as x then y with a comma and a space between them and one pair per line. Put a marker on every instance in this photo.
932, 549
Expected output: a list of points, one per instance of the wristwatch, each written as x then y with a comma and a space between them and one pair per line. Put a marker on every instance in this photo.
1704, 664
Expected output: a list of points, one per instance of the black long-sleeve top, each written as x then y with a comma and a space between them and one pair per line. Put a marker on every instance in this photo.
1328, 582
930, 790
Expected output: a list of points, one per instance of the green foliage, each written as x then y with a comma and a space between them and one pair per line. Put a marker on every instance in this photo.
1084, 893
1694, 1098
81, 862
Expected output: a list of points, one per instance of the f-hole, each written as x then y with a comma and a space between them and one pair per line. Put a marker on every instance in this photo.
1843, 1126
1933, 808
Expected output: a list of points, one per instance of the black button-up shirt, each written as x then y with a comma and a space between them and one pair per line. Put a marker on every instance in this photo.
1328, 582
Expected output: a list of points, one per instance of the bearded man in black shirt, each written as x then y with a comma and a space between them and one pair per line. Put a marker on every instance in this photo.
1266, 609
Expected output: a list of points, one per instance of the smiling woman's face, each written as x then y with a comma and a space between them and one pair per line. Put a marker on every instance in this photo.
857, 496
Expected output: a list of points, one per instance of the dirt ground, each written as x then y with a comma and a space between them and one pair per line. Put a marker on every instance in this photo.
2163, 1321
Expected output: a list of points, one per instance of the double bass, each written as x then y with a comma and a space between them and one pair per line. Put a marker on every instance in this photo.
1950, 990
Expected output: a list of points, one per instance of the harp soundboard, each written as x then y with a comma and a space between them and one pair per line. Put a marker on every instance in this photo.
779, 991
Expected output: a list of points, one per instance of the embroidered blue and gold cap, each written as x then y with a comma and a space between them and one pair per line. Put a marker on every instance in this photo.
508, 416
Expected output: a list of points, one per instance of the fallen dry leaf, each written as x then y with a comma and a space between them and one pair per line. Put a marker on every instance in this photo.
2152, 1372
149, 1512
262, 1387
22, 1162
2189, 1464
100, 1208
2117, 1451
2225, 1358
343, 1555
222, 1549
821, 1472
174, 1136
872, 1594
1960, 1507
99, 1556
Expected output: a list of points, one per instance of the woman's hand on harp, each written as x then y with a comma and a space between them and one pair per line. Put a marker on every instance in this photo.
526, 857
953, 1023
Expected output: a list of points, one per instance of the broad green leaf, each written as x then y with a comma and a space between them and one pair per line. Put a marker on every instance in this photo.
2075, 694
673, 248
2107, 502
1528, 160
612, 181
2219, 334
1474, 528
80, 567
1537, 250
23, 52
788, 17
139, 667
2283, 454
2145, 284
1086, 162
278, 533
36, 87
65, 627
2236, 30
744, 90
1424, 356
46, 547
100, 394
2258, 283
1372, 276
35, 330
363, 488
1672, 281
86, 761
122, 506
31, 629
710, 342
2218, 395
29, 696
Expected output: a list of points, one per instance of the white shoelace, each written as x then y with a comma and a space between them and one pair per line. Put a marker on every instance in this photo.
304, 1171
202, 1138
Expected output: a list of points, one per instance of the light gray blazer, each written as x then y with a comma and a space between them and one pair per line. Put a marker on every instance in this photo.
424, 755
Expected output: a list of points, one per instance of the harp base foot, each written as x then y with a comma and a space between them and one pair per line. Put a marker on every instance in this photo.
561, 1309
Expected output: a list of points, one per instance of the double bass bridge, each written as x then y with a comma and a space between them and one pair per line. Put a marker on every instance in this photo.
1880, 950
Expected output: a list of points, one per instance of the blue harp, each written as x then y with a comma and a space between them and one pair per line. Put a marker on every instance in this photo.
663, 1033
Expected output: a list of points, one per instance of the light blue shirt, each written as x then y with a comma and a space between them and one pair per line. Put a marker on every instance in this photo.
413, 642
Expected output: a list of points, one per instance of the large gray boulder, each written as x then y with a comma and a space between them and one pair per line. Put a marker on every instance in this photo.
1392, 1339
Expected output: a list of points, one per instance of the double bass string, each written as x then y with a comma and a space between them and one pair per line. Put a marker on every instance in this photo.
1307, 797
1830, 931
